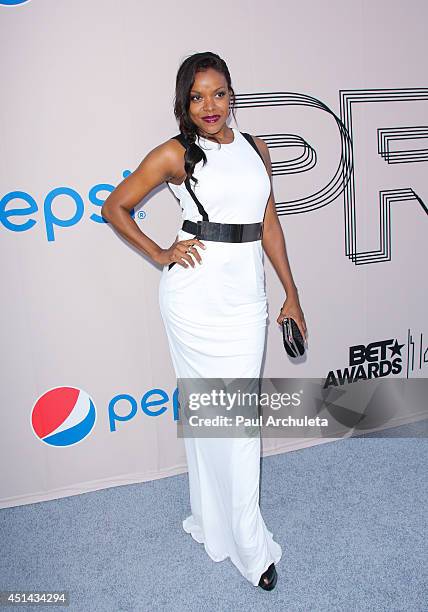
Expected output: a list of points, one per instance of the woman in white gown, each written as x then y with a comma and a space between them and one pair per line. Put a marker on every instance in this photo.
212, 296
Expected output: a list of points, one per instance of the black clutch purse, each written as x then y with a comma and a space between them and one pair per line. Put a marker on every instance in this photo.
293, 340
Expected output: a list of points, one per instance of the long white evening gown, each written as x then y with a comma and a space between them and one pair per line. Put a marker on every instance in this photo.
215, 320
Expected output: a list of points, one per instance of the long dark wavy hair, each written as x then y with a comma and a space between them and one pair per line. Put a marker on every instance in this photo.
184, 82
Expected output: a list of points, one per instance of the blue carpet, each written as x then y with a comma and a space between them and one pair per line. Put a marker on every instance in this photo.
350, 516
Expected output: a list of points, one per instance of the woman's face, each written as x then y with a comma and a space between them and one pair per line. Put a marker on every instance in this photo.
209, 101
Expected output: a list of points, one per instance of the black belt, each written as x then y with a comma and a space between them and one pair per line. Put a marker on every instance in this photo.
224, 232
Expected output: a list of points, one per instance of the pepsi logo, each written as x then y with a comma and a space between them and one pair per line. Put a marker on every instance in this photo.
63, 416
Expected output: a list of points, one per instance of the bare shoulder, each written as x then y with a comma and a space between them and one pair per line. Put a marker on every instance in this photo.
167, 158
261, 145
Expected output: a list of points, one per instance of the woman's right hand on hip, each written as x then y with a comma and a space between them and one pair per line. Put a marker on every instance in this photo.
180, 252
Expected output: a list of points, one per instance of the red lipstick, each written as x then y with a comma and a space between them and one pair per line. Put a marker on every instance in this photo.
211, 118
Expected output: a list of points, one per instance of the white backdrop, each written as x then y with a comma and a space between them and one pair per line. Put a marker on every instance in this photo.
87, 92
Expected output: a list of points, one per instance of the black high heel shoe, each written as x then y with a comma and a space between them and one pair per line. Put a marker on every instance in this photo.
269, 578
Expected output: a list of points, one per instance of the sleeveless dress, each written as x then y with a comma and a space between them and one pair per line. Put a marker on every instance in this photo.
215, 320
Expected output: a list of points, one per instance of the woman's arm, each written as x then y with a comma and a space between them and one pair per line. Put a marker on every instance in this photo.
273, 242
161, 164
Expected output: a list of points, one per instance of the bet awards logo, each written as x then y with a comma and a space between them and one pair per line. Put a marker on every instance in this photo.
376, 360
